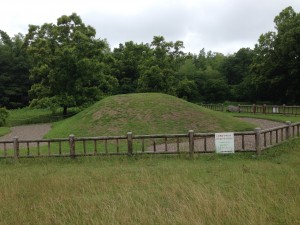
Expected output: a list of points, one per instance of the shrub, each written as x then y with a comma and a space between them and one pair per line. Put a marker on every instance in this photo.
3, 116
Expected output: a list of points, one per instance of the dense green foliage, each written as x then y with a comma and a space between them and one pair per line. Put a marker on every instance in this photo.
68, 66
73, 72
14, 70
3, 116
277, 59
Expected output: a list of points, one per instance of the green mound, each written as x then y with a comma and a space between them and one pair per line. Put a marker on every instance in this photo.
145, 113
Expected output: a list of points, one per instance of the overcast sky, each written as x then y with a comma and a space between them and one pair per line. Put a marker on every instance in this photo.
217, 25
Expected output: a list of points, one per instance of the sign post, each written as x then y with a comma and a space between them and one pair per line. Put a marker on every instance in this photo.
275, 109
224, 142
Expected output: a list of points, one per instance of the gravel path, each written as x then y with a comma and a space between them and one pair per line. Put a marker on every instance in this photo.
26, 132
263, 124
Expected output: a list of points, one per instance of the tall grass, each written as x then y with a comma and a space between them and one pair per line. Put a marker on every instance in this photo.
211, 189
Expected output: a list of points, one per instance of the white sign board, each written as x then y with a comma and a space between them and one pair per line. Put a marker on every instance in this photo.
275, 109
224, 142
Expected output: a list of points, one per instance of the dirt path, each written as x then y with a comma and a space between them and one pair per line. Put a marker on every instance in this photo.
263, 124
27, 132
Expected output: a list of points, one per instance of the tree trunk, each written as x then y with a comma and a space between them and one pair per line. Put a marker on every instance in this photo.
65, 112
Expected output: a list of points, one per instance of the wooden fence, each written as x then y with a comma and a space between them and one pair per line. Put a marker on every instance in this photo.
130, 144
270, 109
265, 109
215, 107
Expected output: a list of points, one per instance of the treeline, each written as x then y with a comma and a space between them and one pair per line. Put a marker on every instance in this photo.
65, 65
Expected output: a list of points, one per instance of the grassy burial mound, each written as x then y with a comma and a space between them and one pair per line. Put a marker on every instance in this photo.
145, 113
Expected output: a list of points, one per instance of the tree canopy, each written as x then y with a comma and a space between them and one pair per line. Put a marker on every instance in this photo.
68, 67
277, 59
65, 65
14, 66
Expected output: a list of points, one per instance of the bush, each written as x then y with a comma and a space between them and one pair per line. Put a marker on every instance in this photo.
3, 116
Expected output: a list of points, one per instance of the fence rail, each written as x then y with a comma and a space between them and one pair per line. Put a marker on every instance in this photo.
215, 107
130, 144
265, 109
270, 109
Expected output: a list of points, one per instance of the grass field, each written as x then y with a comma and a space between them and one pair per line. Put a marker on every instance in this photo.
210, 189
32, 116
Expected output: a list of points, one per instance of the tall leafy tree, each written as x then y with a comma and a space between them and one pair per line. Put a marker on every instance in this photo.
277, 61
188, 76
237, 66
14, 67
211, 82
157, 73
125, 67
69, 66
237, 71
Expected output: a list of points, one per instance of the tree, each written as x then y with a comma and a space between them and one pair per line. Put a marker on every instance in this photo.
237, 66
187, 89
277, 60
188, 76
157, 72
68, 64
14, 71
216, 90
125, 66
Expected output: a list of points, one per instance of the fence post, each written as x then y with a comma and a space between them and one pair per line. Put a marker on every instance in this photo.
72, 146
283, 108
222, 107
191, 143
254, 108
264, 108
16, 147
288, 129
129, 143
239, 108
258, 140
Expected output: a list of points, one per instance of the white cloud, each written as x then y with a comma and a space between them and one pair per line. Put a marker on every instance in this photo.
217, 25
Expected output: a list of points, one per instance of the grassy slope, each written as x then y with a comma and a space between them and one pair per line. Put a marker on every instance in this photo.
146, 113
211, 189
4, 130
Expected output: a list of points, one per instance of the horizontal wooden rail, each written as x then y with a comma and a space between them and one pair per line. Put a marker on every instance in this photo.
270, 109
274, 129
215, 107
130, 144
264, 109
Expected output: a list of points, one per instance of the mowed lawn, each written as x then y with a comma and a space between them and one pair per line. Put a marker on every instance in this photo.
209, 189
